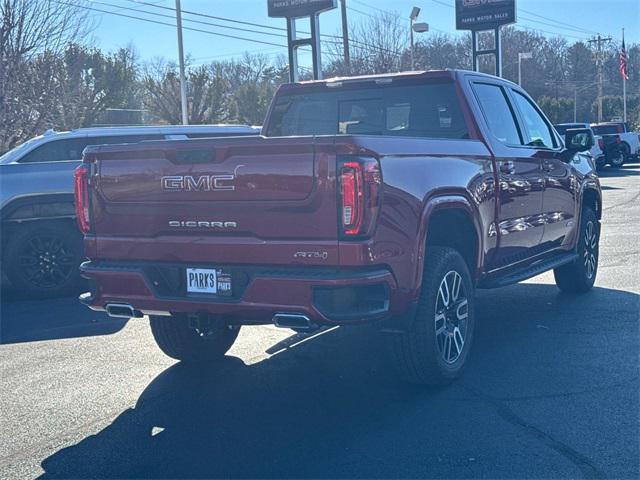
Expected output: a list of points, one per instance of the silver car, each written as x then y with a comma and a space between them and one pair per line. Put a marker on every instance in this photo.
41, 246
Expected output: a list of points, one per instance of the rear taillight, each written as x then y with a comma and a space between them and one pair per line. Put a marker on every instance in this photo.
360, 192
601, 143
81, 188
618, 140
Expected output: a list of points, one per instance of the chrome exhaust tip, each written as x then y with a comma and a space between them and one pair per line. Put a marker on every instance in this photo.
296, 321
122, 310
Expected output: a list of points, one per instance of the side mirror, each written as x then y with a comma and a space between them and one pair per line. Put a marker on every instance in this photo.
579, 139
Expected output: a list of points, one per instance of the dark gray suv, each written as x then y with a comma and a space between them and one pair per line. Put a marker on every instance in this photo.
41, 246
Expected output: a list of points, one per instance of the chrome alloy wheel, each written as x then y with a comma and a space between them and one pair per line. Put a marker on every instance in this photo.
452, 311
590, 249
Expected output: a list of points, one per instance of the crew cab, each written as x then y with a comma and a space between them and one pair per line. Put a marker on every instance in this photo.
629, 141
386, 199
42, 250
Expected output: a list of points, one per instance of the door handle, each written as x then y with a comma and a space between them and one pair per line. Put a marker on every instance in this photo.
507, 167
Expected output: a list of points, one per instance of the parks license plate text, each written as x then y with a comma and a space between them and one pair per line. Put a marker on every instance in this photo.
208, 280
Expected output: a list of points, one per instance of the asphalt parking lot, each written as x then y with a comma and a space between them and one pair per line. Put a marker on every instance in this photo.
552, 390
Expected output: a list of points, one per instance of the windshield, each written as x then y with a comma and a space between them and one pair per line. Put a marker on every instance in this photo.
431, 110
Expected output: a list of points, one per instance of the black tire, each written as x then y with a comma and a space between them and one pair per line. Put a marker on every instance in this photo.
177, 339
616, 160
419, 353
625, 150
580, 275
42, 259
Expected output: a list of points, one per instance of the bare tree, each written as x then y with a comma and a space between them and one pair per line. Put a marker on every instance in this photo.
376, 46
32, 34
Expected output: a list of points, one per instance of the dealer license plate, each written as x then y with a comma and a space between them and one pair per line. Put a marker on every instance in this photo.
209, 281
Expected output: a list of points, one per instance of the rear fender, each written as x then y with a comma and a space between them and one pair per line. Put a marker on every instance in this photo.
457, 201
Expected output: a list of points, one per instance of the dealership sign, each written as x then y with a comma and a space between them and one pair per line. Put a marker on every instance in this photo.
484, 14
299, 8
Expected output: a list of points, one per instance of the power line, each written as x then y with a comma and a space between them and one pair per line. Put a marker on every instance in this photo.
188, 19
388, 12
536, 29
573, 29
167, 24
557, 21
336, 40
371, 6
360, 12
440, 2
214, 17
599, 42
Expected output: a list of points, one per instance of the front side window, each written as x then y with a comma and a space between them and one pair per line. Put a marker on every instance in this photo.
538, 132
427, 110
497, 113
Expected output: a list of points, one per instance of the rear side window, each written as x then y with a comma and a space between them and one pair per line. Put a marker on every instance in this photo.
428, 110
497, 112
605, 130
538, 131
71, 149
57, 151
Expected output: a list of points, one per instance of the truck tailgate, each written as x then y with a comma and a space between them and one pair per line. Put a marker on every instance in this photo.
203, 200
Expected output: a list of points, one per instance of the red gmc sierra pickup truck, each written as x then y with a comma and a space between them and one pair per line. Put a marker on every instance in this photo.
384, 199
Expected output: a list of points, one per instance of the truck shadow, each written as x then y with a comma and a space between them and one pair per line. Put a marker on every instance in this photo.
624, 171
24, 320
331, 406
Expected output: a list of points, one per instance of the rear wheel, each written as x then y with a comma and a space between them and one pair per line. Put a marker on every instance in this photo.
179, 338
436, 346
580, 275
42, 258
616, 160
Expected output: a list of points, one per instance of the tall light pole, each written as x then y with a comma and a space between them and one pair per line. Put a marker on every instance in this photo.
415, 11
522, 56
416, 27
183, 81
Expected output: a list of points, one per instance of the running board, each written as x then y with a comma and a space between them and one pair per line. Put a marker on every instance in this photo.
537, 268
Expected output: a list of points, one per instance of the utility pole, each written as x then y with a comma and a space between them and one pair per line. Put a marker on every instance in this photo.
345, 36
599, 42
183, 81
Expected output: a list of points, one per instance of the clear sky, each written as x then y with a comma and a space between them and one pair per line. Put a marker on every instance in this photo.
574, 19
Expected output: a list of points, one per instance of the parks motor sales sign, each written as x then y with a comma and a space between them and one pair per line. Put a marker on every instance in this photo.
484, 14
299, 8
